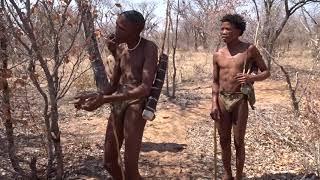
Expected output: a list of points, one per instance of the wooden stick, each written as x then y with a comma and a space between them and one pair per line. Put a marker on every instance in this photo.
215, 152
165, 29
118, 149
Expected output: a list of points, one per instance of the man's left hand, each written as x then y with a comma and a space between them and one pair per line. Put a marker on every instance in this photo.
243, 78
93, 102
89, 102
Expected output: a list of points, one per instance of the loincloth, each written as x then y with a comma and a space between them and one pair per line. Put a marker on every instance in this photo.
248, 91
118, 108
230, 99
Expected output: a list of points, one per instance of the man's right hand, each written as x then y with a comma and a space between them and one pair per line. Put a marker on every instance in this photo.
111, 43
81, 98
215, 113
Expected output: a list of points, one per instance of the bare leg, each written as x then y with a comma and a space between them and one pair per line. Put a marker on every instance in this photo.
240, 116
133, 131
111, 152
224, 128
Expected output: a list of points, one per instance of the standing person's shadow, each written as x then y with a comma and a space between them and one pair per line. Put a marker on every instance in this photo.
286, 176
162, 147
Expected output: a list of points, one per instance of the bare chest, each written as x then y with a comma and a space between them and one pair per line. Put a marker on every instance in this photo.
131, 65
132, 61
233, 63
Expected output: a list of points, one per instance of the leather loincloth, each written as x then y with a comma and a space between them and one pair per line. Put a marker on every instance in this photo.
248, 91
118, 108
230, 99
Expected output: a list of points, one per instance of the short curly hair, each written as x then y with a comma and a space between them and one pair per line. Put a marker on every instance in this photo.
134, 17
236, 20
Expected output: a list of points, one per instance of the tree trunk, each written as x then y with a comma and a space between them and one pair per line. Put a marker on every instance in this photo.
50, 152
6, 97
165, 34
270, 48
271, 32
174, 53
49, 143
54, 126
267, 33
294, 100
168, 53
195, 36
92, 46
55, 135
204, 40
187, 36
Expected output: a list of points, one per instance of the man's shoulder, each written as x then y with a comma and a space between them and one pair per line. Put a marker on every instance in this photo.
150, 50
217, 55
219, 52
252, 47
150, 45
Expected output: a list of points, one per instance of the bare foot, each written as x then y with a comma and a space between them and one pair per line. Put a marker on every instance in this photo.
239, 177
227, 177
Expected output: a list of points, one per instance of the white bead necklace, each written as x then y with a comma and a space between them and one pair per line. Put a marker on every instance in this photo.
135, 46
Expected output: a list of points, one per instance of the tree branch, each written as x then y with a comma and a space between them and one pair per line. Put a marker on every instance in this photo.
257, 10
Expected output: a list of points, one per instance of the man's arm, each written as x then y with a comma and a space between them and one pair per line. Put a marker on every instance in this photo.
215, 82
148, 74
215, 89
258, 60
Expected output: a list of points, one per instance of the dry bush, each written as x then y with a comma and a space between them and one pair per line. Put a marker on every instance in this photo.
192, 66
312, 115
84, 82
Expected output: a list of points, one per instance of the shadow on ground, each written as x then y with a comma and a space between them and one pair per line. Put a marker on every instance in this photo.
162, 147
285, 176
88, 168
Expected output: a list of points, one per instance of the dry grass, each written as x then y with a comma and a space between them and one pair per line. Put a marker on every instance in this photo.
191, 66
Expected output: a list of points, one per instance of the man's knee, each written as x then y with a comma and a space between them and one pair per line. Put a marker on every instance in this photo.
133, 134
108, 166
239, 143
109, 163
110, 158
225, 141
132, 172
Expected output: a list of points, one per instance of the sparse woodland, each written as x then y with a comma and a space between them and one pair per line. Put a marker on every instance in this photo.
50, 50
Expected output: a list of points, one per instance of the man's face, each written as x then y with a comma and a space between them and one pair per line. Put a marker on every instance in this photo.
229, 32
124, 29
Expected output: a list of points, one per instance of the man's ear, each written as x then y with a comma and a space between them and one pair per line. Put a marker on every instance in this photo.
238, 31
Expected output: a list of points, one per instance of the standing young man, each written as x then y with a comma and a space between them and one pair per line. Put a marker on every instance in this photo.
130, 84
229, 103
